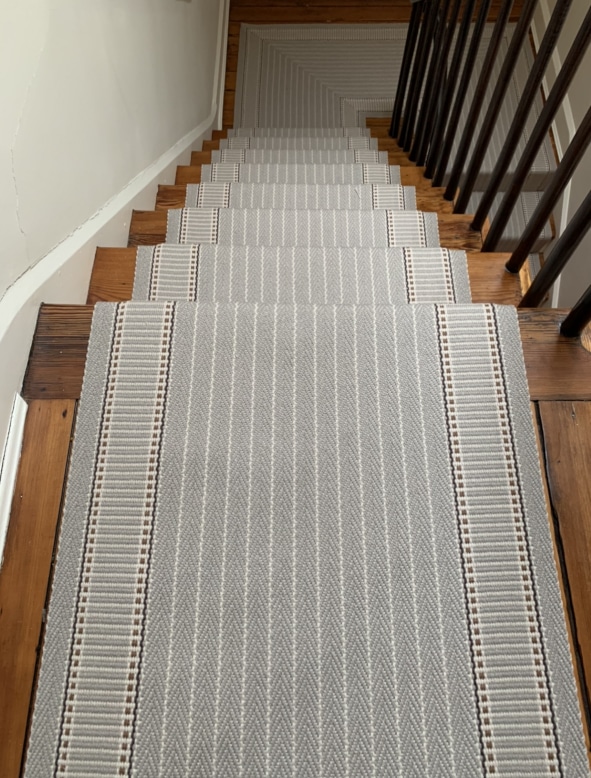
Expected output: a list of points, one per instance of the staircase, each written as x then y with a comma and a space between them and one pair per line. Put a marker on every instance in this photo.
314, 535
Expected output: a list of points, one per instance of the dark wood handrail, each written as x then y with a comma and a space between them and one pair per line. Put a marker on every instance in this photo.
479, 95
450, 85
492, 113
530, 92
560, 179
561, 253
407, 59
551, 106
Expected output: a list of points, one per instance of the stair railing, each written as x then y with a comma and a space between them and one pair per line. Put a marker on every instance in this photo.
435, 77
559, 256
530, 91
492, 113
418, 73
407, 59
552, 193
578, 318
450, 86
539, 132
478, 99
436, 126
440, 156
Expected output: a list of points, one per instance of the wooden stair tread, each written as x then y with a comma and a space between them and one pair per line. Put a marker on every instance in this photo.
114, 271
557, 368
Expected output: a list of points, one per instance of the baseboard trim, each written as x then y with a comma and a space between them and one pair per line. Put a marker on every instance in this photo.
9, 465
62, 276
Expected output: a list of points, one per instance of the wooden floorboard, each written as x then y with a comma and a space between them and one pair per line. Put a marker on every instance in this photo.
26, 571
58, 353
566, 438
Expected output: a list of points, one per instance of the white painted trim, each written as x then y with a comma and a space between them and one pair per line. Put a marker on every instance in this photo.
220, 65
9, 465
62, 276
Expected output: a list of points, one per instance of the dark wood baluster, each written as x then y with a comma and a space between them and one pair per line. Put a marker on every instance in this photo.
530, 92
578, 318
419, 69
559, 256
432, 88
551, 106
479, 95
560, 179
492, 113
449, 90
409, 53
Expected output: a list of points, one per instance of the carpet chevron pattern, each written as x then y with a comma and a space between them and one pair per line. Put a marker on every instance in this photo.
281, 599
300, 275
346, 229
294, 197
304, 530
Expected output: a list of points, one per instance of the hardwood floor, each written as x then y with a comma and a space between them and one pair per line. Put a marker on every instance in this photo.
559, 375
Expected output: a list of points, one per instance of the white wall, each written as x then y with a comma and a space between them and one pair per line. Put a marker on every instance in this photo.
577, 275
98, 102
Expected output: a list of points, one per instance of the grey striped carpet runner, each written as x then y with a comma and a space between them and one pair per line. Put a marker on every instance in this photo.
300, 143
273, 227
304, 530
300, 275
305, 540
271, 173
348, 197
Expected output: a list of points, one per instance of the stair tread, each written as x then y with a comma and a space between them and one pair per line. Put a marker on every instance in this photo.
114, 272
302, 227
275, 173
298, 196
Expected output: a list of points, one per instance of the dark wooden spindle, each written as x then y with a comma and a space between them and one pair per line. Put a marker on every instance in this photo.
559, 256
443, 153
551, 106
492, 113
407, 58
450, 86
577, 147
578, 318
435, 81
419, 70
479, 95
530, 92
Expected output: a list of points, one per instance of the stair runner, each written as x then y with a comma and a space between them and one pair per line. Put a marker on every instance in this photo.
304, 530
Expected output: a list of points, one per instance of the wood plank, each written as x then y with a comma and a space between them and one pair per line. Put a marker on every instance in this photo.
455, 232
558, 368
490, 282
147, 228
566, 437
27, 563
112, 276
58, 354
171, 197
